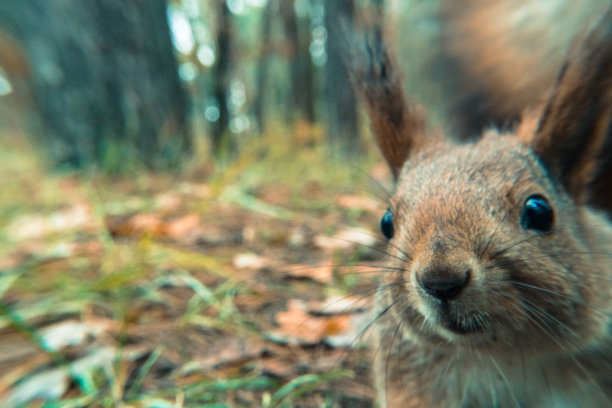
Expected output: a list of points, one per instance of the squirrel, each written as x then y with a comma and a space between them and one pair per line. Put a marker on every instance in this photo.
497, 291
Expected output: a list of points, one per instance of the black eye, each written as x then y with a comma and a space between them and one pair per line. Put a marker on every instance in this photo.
386, 224
537, 214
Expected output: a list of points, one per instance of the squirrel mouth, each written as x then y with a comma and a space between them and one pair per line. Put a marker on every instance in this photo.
461, 325
457, 320
464, 327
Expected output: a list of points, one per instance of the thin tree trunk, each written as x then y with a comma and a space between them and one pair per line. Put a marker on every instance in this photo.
261, 76
340, 99
300, 63
222, 78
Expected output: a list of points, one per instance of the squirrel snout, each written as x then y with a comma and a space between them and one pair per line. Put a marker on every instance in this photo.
444, 284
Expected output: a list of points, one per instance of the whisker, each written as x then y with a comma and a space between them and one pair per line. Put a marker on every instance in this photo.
513, 262
381, 187
486, 247
604, 253
373, 268
386, 242
400, 354
577, 363
505, 380
394, 339
537, 316
363, 331
374, 248
545, 317
509, 247
603, 313
376, 318
527, 285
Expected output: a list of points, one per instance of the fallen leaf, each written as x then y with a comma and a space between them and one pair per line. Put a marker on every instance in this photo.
319, 273
67, 333
229, 351
250, 261
277, 366
48, 385
297, 326
354, 334
134, 225
51, 384
145, 223
181, 227
335, 305
353, 201
346, 239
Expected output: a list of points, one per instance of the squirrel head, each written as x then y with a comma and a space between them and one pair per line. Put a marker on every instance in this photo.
494, 241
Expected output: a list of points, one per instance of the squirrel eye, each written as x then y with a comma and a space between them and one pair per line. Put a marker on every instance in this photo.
537, 214
386, 224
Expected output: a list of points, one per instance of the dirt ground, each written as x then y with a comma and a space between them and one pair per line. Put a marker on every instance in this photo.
171, 291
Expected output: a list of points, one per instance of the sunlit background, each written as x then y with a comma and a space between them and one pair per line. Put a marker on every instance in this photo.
94, 90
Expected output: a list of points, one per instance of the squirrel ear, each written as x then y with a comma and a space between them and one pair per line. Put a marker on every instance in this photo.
398, 124
576, 121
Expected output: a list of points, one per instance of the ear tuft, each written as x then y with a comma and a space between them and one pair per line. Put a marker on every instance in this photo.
397, 123
575, 122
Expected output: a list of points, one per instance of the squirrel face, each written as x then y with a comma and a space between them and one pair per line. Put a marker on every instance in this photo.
490, 251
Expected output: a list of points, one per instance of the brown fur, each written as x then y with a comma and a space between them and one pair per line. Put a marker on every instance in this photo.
505, 54
503, 57
532, 328
398, 124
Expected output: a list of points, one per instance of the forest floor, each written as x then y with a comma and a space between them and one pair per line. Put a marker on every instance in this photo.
248, 287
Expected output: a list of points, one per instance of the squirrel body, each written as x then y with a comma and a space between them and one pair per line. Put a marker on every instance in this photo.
497, 291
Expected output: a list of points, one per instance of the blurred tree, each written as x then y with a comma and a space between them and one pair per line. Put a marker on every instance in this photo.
340, 99
261, 79
103, 79
297, 32
222, 76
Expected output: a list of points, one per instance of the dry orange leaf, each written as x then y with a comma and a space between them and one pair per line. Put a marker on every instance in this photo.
134, 225
182, 226
298, 326
319, 273
137, 225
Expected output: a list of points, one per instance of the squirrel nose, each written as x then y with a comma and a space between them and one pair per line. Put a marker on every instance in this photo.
444, 285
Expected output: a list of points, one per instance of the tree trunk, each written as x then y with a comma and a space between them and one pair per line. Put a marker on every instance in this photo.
261, 75
104, 81
340, 99
300, 64
221, 141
